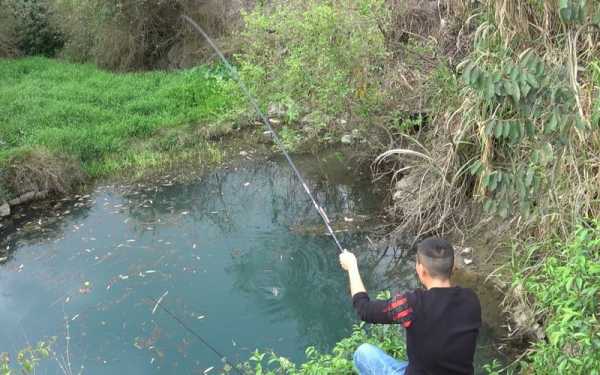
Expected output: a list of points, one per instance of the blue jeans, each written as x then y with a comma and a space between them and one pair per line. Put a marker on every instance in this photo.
370, 360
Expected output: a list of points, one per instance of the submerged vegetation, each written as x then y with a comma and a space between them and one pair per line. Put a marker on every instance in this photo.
482, 112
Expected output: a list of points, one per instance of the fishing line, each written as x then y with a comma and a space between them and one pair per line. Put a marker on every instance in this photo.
196, 335
279, 144
267, 123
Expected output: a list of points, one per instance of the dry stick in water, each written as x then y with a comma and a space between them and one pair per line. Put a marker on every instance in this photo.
159, 301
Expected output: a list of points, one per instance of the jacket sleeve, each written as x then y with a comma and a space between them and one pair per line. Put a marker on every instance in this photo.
393, 311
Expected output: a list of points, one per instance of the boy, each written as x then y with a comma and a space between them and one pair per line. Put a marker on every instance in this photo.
441, 321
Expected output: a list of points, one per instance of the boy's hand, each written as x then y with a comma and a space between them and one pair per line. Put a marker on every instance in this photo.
348, 261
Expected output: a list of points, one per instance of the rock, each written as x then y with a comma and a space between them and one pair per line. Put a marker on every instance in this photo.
347, 139
243, 153
4, 210
276, 110
468, 261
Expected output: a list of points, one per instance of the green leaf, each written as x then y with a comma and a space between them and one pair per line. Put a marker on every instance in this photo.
490, 88
474, 78
467, 72
529, 177
530, 128
512, 89
499, 129
530, 78
489, 128
551, 124
525, 89
493, 182
579, 123
515, 132
475, 167
504, 209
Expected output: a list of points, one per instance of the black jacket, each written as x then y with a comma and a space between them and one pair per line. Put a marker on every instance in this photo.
441, 325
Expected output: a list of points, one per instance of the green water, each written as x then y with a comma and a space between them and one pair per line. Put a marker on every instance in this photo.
221, 250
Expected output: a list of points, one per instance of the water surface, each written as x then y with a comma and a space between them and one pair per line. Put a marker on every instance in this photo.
238, 254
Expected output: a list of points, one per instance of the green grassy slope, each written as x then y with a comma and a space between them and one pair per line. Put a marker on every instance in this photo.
102, 119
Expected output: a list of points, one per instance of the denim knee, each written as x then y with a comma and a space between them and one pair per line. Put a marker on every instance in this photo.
363, 353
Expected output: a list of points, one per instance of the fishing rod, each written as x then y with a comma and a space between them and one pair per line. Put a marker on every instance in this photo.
234, 73
267, 123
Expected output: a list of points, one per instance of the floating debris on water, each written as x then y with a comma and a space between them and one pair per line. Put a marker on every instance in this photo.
86, 288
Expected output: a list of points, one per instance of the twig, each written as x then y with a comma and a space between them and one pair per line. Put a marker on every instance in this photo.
159, 301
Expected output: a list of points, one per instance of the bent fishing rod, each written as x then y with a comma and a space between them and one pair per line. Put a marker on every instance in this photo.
236, 76
267, 123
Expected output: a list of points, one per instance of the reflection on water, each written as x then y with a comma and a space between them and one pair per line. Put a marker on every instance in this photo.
221, 246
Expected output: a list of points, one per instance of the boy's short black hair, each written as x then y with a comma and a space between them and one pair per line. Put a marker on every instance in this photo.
437, 255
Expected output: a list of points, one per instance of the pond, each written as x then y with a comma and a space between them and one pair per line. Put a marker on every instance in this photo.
236, 254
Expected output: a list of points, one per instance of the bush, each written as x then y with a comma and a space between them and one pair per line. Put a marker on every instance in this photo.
339, 361
566, 288
25, 28
130, 34
8, 38
314, 57
27, 359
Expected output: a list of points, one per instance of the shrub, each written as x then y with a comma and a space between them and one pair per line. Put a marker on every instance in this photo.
27, 359
566, 288
25, 28
8, 38
131, 34
339, 361
314, 57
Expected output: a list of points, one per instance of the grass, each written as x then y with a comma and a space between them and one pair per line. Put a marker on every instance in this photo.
107, 121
